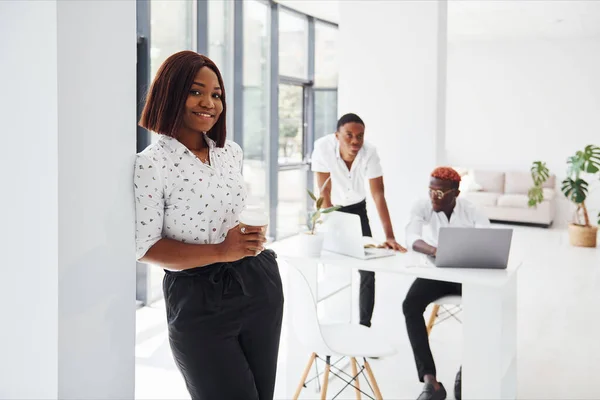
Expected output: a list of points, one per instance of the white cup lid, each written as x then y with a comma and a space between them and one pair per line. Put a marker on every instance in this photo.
254, 218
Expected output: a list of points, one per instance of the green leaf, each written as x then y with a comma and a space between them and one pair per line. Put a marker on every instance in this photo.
599, 218
576, 165
320, 203
316, 216
539, 172
309, 222
591, 156
312, 196
313, 221
330, 209
592, 152
592, 169
575, 190
536, 196
539, 175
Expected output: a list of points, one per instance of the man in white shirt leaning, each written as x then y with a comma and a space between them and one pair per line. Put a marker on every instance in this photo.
350, 162
443, 209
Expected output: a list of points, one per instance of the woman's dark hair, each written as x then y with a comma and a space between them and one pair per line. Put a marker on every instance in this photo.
165, 102
347, 119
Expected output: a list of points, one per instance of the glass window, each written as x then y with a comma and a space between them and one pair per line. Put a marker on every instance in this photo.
256, 102
220, 49
291, 124
172, 29
220, 39
292, 177
293, 45
292, 202
325, 112
326, 60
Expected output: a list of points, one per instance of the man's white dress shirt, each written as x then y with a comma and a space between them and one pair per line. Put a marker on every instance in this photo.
347, 186
425, 223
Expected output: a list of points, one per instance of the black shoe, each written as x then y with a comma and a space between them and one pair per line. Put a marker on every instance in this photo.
458, 384
429, 393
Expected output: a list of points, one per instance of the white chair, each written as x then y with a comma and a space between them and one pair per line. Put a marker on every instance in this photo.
446, 313
327, 340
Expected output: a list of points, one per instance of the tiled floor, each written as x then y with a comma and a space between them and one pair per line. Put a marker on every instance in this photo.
558, 332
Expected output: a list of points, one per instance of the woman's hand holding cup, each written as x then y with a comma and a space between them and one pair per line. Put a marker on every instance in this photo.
247, 238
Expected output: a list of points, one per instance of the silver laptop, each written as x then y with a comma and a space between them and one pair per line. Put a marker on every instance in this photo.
486, 248
343, 235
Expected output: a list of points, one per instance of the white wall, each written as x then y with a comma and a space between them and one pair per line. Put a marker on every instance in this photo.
512, 102
97, 143
29, 200
68, 109
392, 72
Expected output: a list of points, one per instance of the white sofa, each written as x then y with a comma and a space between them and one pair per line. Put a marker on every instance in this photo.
503, 195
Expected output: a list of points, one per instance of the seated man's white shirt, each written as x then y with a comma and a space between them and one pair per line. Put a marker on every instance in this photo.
425, 223
347, 187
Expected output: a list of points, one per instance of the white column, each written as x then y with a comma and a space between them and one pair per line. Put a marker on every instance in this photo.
393, 74
68, 112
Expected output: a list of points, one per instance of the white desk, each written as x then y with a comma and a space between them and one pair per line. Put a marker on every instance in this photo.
489, 302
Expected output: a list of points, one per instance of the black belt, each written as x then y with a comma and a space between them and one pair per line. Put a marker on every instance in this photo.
224, 273
217, 273
360, 207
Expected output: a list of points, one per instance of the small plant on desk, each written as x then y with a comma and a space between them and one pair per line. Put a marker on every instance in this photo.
311, 241
315, 216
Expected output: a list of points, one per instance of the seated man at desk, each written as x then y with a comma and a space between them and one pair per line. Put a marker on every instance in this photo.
443, 209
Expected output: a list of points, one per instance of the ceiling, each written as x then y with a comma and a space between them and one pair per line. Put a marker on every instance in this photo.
496, 19
328, 10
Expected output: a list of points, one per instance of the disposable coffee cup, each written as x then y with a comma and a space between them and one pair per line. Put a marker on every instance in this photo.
252, 218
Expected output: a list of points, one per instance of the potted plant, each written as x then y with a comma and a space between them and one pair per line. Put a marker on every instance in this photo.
575, 188
313, 240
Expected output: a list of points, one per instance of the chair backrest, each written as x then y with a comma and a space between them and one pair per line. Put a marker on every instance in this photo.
303, 312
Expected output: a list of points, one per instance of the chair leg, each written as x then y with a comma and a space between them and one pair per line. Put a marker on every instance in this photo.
432, 317
311, 360
376, 390
326, 378
355, 373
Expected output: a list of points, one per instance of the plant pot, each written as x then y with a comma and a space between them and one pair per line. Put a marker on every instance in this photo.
311, 245
583, 236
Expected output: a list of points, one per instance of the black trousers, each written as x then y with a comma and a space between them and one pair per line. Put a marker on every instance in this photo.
422, 293
224, 327
366, 302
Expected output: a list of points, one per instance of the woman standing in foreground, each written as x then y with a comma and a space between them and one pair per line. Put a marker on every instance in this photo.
222, 290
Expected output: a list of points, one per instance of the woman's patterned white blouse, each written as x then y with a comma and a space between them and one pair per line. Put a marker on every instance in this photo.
181, 198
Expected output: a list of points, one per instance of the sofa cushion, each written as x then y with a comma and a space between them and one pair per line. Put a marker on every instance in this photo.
513, 200
542, 214
519, 182
490, 181
482, 199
